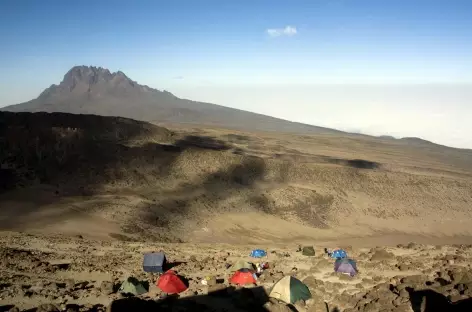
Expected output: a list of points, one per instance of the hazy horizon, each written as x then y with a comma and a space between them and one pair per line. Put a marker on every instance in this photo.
383, 68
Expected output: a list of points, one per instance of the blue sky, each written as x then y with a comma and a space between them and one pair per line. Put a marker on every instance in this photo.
211, 45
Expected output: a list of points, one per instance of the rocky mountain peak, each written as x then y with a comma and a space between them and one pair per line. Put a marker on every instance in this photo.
89, 75
95, 81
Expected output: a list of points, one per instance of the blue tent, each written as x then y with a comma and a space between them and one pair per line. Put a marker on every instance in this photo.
339, 254
258, 253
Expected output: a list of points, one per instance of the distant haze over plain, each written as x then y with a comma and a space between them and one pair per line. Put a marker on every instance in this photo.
437, 112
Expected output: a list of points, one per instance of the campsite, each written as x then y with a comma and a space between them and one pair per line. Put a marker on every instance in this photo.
110, 276
256, 233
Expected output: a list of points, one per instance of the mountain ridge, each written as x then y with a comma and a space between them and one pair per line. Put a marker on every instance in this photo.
97, 90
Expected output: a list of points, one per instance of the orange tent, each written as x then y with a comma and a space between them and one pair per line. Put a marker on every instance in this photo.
170, 283
243, 277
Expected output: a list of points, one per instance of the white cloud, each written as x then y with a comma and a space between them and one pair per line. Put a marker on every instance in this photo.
287, 31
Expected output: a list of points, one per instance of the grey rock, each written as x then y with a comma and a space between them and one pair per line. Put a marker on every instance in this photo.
404, 293
414, 279
47, 308
107, 288
462, 287
456, 276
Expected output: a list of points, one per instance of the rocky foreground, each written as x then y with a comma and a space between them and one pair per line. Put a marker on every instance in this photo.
75, 274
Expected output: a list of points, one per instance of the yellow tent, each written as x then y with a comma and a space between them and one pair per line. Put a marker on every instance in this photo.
290, 290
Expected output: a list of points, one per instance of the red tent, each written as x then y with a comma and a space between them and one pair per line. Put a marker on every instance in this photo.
170, 283
243, 277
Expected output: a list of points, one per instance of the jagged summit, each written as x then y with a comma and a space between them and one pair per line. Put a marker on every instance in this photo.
98, 76
87, 73
92, 75
99, 91
94, 82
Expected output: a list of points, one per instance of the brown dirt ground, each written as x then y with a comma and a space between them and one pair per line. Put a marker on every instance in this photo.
133, 180
64, 271
126, 187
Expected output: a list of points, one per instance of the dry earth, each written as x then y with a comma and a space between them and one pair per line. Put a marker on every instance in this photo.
104, 177
125, 187
73, 274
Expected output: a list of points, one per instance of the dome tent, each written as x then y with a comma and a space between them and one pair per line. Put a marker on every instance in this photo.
258, 253
132, 286
170, 283
339, 254
290, 290
243, 277
346, 266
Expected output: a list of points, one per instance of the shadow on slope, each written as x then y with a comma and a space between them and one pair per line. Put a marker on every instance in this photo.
228, 299
431, 301
202, 142
356, 163
213, 189
76, 155
237, 188
296, 155
85, 155
50, 148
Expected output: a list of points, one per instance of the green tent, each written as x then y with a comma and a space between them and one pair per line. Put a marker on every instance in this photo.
290, 290
133, 286
308, 251
241, 264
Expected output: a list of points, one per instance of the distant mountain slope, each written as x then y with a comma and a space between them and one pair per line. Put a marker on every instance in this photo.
95, 90
105, 177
